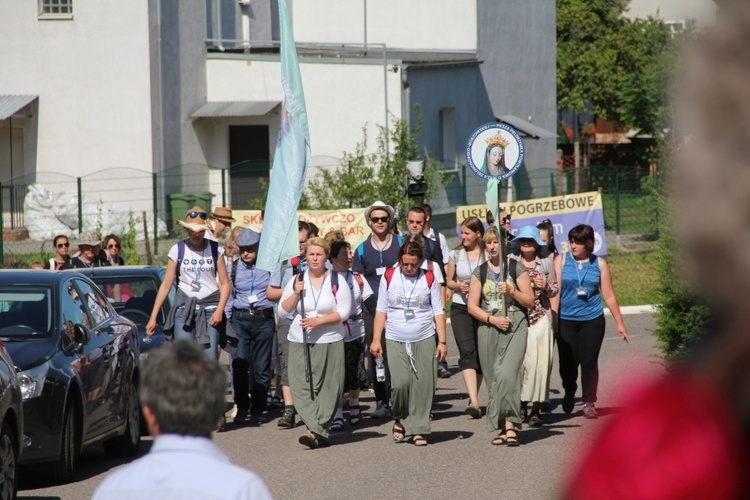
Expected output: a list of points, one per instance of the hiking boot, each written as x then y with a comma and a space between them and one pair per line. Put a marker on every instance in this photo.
381, 411
443, 372
287, 420
589, 411
569, 402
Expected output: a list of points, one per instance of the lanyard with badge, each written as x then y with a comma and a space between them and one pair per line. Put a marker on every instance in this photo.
581, 292
409, 312
380, 270
252, 298
196, 284
315, 299
497, 278
471, 268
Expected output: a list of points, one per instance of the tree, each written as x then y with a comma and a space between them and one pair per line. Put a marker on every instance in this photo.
363, 178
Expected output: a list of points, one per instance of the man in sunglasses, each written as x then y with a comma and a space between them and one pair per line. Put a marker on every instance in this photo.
505, 222
61, 260
371, 258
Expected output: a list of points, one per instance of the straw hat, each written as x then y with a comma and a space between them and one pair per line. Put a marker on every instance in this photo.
195, 219
223, 214
89, 238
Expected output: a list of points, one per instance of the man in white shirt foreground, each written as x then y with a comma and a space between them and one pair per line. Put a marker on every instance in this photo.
182, 394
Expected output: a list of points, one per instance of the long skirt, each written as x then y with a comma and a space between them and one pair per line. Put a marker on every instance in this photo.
413, 383
327, 361
501, 356
537, 363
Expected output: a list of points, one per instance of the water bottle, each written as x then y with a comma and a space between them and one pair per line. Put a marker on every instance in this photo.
379, 369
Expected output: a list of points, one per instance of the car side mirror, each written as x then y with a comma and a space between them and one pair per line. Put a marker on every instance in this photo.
81, 336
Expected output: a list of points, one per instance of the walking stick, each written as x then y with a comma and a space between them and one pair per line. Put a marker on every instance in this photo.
504, 269
308, 364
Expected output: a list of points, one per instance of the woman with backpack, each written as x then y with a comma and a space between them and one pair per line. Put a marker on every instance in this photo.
199, 303
410, 310
531, 251
585, 285
462, 261
499, 294
316, 342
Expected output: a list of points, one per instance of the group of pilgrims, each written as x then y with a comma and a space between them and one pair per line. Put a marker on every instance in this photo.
336, 320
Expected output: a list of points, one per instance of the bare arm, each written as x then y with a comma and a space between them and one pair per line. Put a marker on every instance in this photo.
376, 348
161, 295
523, 294
273, 293
225, 288
608, 294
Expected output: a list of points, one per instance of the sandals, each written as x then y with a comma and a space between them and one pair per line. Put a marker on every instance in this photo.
399, 433
506, 438
355, 415
337, 424
313, 441
473, 411
419, 440
499, 440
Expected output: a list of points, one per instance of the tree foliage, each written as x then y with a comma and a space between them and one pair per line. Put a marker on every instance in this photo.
363, 178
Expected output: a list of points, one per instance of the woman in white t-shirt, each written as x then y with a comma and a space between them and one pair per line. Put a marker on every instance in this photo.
200, 299
321, 310
462, 261
410, 300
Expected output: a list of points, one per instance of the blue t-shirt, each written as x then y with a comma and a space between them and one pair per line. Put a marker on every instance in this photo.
373, 259
589, 277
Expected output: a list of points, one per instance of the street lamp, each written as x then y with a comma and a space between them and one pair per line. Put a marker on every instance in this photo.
416, 185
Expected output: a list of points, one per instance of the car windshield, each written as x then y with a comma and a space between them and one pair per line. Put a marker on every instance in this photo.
25, 311
132, 296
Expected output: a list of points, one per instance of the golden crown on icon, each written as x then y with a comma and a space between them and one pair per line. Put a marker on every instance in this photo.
497, 140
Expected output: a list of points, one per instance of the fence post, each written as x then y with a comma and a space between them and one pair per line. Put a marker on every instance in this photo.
552, 191
617, 203
2, 228
223, 187
80, 205
463, 184
155, 195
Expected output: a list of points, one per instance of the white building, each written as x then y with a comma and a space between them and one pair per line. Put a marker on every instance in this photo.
170, 87
675, 13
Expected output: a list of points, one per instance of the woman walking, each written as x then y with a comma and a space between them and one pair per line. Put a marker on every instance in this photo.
410, 310
462, 261
586, 282
530, 251
199, 303
498, 298
316, 342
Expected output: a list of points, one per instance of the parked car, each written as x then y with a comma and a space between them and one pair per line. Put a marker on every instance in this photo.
77, 362
11, 423
132, 291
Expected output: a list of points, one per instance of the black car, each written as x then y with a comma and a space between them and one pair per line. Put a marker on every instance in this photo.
77, 362
11, 423
132, 291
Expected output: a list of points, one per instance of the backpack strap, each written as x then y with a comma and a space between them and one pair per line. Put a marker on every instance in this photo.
215, 254
430, 277
388, 276
483, 272
361, 251
360, 282
233, 277
180, 256
334, 284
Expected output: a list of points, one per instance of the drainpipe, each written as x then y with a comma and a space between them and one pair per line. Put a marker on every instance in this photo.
385, 91
405, 96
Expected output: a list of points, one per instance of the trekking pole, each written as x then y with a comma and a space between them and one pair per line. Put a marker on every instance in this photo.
308, 363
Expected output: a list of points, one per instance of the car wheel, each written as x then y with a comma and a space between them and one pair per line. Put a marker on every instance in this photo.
63, 470
8, 463
129, 443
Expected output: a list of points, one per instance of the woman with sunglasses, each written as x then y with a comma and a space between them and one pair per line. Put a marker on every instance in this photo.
462, 261
61, 260
203, 288
531, 251
113, 244
498, 299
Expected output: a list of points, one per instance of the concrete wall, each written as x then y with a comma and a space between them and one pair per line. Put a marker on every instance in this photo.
92, 76
517, 45
410, 24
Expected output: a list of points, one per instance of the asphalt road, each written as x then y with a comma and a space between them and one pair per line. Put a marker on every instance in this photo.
459, 462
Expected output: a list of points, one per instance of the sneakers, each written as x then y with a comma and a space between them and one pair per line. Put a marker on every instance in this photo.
275, 402
287, 420
569, 402
589, 411
381, 411
443, 372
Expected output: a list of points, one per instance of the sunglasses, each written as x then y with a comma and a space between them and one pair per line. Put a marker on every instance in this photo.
375, 220
247, 248
506, 218
525, 241
202, 215
114, 245
63, 245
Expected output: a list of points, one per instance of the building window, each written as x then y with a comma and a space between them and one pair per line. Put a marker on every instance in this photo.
56, 9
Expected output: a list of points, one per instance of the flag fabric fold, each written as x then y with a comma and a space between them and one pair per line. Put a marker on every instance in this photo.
279, 239
491, 198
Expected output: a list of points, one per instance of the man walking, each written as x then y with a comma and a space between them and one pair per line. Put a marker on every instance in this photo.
182, 394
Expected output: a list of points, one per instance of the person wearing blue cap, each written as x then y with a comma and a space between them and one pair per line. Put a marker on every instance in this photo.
531, 251
253, 322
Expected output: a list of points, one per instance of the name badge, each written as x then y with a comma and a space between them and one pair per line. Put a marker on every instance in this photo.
380, 271
493, 305
581, 293
409, 313
195, 285
252, 299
